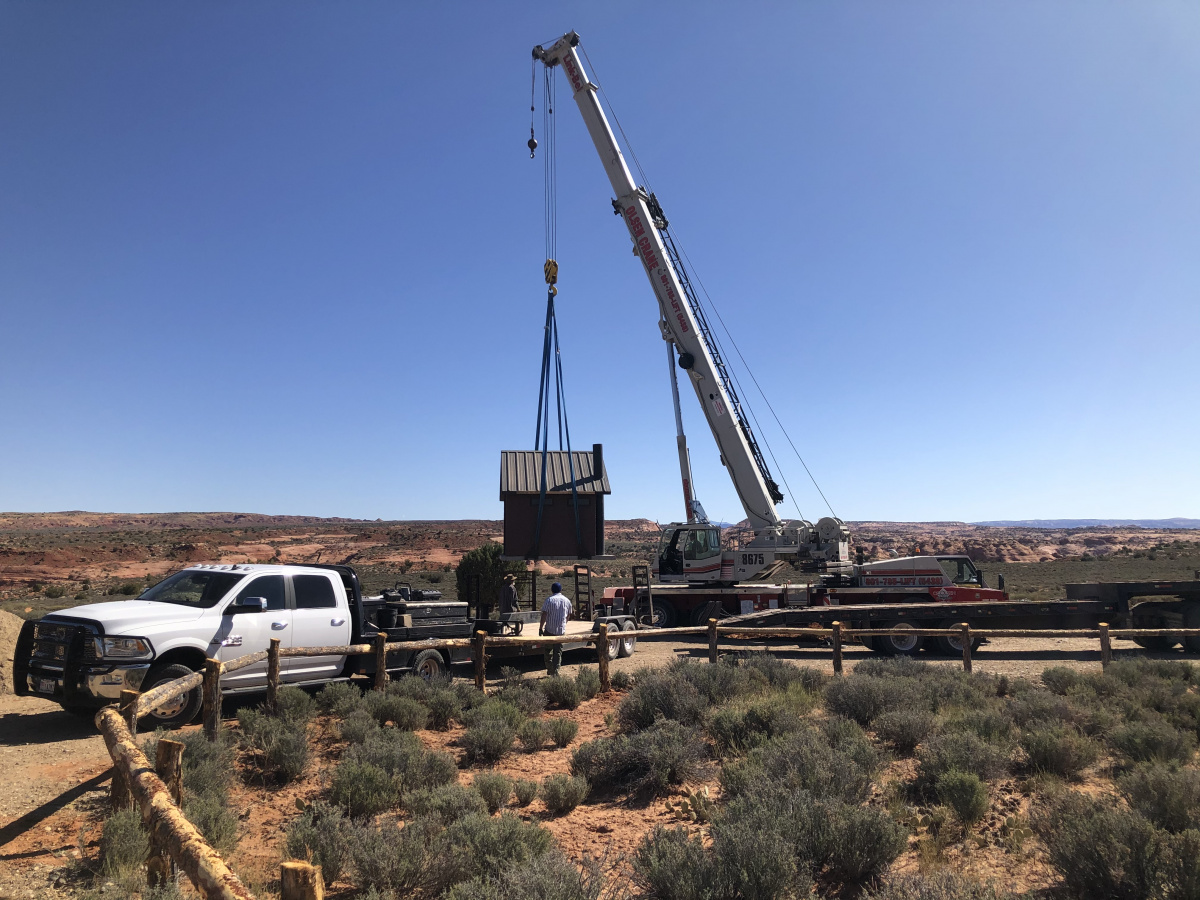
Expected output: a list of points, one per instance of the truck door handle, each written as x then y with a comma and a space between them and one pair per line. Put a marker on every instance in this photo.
337, 621
278, 626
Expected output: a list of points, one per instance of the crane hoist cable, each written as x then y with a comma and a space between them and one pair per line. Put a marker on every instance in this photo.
551, 382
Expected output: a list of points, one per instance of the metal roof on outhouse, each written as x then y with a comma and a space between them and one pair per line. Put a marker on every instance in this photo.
521, 473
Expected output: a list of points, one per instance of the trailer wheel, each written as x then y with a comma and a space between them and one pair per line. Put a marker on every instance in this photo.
898, 643
629, 641
1191, 619
952, 645
614, 641
429, 664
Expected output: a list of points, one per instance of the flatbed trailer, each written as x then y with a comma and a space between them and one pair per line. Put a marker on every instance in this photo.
1149, 605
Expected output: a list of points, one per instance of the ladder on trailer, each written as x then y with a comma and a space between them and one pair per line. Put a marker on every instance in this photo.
583, 592
643, 596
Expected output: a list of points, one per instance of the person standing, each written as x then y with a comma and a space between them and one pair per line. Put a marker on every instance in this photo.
508, 595
555, 610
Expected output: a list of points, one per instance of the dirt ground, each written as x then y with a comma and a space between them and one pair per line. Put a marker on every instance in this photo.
54, 769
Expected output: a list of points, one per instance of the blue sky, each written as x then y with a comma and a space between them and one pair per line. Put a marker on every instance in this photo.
287, 257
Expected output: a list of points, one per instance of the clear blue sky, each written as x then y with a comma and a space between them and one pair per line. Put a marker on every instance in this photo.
287, 257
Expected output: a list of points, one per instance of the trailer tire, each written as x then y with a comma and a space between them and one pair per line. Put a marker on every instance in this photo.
952, 646
614, 640
664, 614
899, 644
429, 664
1191, 619
629, 641
174, 713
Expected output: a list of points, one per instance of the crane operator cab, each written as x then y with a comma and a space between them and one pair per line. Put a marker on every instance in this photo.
960, 570
689, 550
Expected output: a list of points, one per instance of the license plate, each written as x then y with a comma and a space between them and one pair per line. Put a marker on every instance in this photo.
45, 685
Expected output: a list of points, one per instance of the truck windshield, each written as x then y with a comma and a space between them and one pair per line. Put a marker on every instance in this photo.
193, 588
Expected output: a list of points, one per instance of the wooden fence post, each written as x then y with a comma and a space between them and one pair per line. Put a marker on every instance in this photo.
836, 627
212, 698
1105, 646
965, 630
168, 765
273, 674
602, 658
381, 676
713, 656
301, 881
479, 651
129, 708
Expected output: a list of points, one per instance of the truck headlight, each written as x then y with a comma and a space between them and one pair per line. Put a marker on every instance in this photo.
124, 648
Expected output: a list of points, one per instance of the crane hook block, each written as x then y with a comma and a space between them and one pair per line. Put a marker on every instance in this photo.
532, 145
551, 269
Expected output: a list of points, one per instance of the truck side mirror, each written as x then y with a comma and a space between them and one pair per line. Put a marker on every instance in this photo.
982, 582
1000, 580
247, 605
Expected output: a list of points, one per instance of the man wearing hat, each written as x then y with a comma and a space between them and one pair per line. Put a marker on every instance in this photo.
508, 595
555, 610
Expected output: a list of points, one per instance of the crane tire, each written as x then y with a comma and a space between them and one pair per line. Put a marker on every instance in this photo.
174, 713
429, 664
629, 641
900, 644
952, 646
664, 614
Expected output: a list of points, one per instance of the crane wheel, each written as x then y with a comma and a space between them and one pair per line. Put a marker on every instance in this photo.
664, 614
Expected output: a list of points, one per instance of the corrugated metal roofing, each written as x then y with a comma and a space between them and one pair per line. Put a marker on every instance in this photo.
521, 473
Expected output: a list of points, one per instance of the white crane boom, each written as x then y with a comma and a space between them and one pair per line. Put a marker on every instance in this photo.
685, 328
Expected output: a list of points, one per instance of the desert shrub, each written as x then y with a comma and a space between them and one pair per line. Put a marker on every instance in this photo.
588, 681
213, 819
778, 674
865, 842
848, 738
280, 744
1157, 741
1101, 849
643, 763
1134, 672
670, 864
405, 713
621, 681
561, 692
481, 845
124, 843
412, 686
339, 698
55, 591
940, 885
562, 730
964, 793
743, 725
493, 710
392, 859
527, 699
655, 696
533, 734
863, 698
358, 726
1030, 707
717, 684
1181, 865
903, 729
962, 752
321, 835
1059, 750
294, 706
562, 793
362, 789
488, 742
524, 791
445, 803
444, 707
1169, 797
802, 761
548, 877
494, 788
995, 726
1060, 679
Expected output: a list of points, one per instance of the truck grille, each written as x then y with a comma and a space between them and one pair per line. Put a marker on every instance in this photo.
56, 643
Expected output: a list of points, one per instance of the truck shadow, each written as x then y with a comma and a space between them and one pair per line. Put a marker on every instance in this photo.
44, 727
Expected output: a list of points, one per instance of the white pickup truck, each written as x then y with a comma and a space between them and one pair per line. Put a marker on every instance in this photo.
85, 656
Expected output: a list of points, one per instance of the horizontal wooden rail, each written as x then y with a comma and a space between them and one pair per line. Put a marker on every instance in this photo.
168, 827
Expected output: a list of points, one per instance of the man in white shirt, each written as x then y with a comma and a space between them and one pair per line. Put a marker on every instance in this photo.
555, 610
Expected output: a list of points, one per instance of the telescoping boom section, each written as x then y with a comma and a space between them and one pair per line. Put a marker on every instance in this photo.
683, 326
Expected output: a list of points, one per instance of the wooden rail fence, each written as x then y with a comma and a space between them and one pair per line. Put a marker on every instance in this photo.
156, 790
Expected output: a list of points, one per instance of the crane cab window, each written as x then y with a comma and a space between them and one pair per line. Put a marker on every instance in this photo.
670, 556
702, 544
959, 570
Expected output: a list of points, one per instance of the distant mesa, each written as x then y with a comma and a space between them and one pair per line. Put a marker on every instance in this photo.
1094, 523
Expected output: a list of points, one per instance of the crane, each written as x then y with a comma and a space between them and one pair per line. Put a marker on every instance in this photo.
692, 551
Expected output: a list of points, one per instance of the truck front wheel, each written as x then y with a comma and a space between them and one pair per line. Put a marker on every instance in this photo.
172, 713
429, 664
